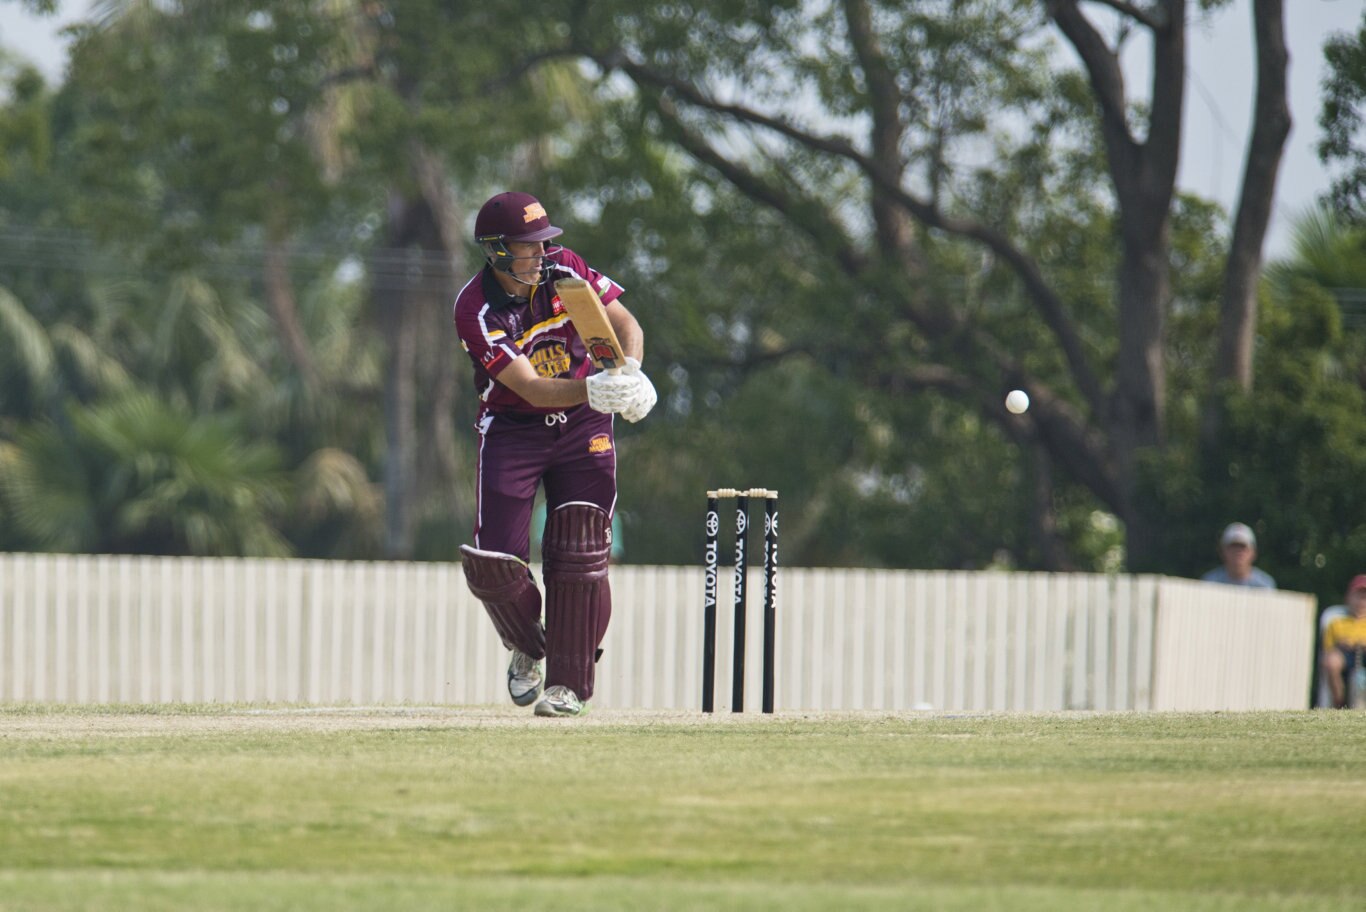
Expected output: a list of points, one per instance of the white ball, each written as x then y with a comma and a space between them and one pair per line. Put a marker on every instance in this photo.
1017, 401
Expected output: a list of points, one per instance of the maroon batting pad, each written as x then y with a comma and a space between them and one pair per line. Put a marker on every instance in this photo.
578, 597
504, 584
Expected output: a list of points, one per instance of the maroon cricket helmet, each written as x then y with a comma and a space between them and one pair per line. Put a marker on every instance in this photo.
514, 216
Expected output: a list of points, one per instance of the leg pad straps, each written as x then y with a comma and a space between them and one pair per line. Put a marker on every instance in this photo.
503, 583
578, 597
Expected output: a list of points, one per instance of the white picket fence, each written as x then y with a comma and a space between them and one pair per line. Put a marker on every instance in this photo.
95, 629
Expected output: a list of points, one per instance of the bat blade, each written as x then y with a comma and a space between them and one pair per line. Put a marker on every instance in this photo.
586, 312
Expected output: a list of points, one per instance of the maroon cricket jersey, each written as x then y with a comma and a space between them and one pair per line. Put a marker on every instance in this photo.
495, 328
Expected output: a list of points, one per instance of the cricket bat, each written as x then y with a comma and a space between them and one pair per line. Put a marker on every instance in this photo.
590, 321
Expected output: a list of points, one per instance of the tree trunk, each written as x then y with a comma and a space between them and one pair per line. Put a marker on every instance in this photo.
1144, 175
391, 276
399, 430
894, 233
1271, 126
1137, 411
414, 293
439, 466
1043, 518
280, 297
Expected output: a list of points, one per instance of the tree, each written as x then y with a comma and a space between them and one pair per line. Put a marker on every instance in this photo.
350, 127
136, 477
1343, 119
1289, 458
915, 86
848, 236
129, 274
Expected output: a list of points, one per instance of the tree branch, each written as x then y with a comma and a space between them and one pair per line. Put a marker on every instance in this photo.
887, 130
1083, 450
526, 65
1047, 302
1163, 145
1148, 19
347, 74
1271, 126
821, 229
1050, 418
1102, 66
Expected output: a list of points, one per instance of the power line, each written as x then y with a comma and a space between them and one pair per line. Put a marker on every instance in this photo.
65, 250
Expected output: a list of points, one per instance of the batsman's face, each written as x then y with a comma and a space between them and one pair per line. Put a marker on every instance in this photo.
1356, 602
526, 260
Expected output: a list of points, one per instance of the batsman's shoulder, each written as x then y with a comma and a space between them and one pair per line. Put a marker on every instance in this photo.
566, 264
469, 301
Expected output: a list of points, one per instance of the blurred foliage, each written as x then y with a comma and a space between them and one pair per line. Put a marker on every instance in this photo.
134, 476
147, 401
1292, 453
1342, 118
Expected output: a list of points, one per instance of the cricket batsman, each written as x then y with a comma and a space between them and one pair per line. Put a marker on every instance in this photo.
545, 418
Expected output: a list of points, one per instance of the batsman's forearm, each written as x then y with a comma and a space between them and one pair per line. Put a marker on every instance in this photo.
632, 341
545, 393
542, 392
628, 331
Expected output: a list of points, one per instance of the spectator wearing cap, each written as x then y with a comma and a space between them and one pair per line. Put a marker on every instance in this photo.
1238, 551
1344, 641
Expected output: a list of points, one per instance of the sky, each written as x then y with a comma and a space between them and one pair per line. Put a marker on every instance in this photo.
1219, 106
1218, 103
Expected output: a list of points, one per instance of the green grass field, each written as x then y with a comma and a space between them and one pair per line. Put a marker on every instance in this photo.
449, 808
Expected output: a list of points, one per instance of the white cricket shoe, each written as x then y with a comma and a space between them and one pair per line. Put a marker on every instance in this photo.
560, 701
524, 678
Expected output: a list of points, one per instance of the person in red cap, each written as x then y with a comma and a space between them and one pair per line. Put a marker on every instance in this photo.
545, 418
1344, 642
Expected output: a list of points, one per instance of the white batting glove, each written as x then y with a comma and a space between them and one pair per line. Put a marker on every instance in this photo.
612, 393
645, 398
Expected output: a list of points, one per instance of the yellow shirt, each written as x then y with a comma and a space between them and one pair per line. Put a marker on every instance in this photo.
1345, 633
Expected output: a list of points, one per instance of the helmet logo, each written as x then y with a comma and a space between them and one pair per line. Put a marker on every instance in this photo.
533, 212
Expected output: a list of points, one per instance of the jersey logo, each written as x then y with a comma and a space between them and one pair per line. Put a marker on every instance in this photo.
556, 307
600, 444
550, 360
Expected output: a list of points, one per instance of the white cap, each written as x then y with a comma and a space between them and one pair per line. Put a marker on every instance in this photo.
1238, 533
